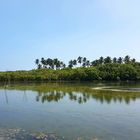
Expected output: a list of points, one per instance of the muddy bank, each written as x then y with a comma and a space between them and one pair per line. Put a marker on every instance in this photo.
20, 134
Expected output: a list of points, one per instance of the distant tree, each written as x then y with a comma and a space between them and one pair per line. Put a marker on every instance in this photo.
87, 63
39, 66
64, 66
114, 60
127, 59
43, 62
84, 59
79, 60
84, 62
107, 60
120, 60
133, 60
56, 63
101, 60
49, 63
70, 64
95, 63
37, 62
74, 62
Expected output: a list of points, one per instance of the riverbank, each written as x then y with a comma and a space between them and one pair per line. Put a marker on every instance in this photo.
20, 134
106, 72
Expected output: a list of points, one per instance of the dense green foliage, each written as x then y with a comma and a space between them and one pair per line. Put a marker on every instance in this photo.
101, 69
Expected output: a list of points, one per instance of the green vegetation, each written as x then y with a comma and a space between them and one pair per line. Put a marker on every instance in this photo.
79, 69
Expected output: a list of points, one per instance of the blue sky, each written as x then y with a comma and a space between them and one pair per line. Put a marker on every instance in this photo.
66, 29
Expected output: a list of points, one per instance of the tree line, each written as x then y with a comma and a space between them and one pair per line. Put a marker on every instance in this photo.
81, 62
80, 69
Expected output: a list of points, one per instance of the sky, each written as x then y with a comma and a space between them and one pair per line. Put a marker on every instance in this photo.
66, 29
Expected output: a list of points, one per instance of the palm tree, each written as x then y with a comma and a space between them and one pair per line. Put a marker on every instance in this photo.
62, 65
79, 60
58, 64
107, 60
95, 63
120, 60
127, 59
87, 63
49, 63
101, 60
114, 60
84, 62
39, 66
84, 59
55, 61
43, 62
74, 62
37, 62
70, 64
133, 60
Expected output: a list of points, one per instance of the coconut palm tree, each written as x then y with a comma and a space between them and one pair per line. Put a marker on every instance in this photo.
84, 62
74, 62
87, 63
101, 60
127, 59
37, 62
43, 62
39, 66
107, 60
79, 60
114, 60
120, 60
133, 60
95, 63
70, 64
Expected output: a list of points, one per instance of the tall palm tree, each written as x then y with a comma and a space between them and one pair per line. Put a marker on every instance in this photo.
43, 62
70, 64
74, 62
87, 63
133, 60
79, 60
101, 60
114, 60
120, 60
107, 60
84, 59
62, 65
127, 59
84, 62
58, 64
95, 63
39, 66
37, 62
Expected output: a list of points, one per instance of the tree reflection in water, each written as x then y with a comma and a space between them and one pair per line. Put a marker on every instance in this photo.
81, 98
54, 92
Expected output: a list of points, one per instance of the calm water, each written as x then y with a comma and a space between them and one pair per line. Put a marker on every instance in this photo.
73, 111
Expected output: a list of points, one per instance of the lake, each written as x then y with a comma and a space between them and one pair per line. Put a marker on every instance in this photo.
70, 111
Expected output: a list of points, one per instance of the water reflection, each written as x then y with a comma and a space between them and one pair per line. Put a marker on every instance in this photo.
54, 92
84, 97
